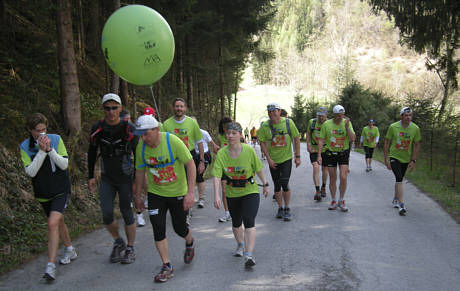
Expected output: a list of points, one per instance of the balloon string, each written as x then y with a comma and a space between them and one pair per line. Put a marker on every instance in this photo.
155, 103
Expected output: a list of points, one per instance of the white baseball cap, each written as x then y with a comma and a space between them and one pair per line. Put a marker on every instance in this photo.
273, 106
338, 109
144, 123
405, 110
111, 97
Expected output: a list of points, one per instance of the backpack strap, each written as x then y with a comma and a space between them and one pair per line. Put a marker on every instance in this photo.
93, 136
128, 134
288, 127
159, 165
272, 129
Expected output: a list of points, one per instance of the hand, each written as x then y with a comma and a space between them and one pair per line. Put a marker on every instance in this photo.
189, 200
265, 191
297, 162
92, 185
387, 163
217, 202
201, 168
139, 203
411, 166
216, 148
271, 163
43, 142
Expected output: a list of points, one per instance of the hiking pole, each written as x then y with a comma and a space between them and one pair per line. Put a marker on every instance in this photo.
155, 104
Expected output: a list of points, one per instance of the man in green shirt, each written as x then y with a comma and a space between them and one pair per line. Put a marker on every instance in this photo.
275, 137
313, 131
402, 141
336, 135
170, 187
369, 139
187, 129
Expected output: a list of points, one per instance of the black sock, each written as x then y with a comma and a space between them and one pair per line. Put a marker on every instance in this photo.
317, 188
139, 212
324, 185
168, 264
189, 245
119, 241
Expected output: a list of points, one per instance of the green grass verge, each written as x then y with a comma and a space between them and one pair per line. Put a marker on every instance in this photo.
437, 184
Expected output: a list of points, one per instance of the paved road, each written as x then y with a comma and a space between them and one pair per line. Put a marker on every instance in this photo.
369, 248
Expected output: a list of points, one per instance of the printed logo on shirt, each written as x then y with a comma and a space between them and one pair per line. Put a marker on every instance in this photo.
337, 131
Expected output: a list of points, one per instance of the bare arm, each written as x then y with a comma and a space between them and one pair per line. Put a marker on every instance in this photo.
217, 200
191, 178
386, 146
140, 175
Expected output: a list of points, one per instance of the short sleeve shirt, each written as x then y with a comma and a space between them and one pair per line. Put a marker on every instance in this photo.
401, 140
335, 136
188, 131
167, 181
242, 167
370, 136
315, 134
279, 146
206, 139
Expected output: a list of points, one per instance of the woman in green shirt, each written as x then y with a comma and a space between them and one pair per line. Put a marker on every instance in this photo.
238, 163
222, 142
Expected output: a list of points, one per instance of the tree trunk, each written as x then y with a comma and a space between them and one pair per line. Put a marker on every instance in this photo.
189, 78
70, 92
93, 36
221, 82
449, 62
115, 84
180, 69
81, 32
124, 93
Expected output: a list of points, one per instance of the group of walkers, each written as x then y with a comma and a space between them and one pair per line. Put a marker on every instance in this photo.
168, 160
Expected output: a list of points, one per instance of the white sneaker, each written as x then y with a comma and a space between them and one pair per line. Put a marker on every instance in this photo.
201, 203
225, 218
249, 261
140, 220
50, 272
395, 203
68, 257
239, 250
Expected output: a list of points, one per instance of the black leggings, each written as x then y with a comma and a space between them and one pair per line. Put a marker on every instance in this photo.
399, 169
244, 210
281, 175
369, 151
158, 206
107, 192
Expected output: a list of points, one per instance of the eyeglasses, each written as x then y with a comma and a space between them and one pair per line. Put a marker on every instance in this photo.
272, 109
108, 108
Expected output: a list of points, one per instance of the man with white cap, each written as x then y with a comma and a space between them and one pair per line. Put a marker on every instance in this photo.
275, 138
170, 187
369, 139
335, 135
402, 141
113, 138
313, 130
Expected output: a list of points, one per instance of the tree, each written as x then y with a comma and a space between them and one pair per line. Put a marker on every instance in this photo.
70, 92
298, 114
432, 27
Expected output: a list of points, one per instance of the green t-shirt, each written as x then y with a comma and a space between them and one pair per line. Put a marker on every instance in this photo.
169, 181
160, 126
401, 140
279, 146
188, 131
335, 136
222, 140
315, 134
370, 136
243, 167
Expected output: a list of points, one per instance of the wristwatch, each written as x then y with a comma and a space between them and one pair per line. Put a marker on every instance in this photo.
265, 185
414, 161
297, 156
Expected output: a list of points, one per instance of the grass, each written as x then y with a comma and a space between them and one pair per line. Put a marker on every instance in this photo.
437, 184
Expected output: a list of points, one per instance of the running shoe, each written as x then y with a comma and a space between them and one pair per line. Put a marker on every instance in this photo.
201, 203
118, 247
225, 218
287, 214
129, 257
317, 196
402, 209
367, 169
333, 205
50, 272
323, 191
395, 203
164, 274
280, 213
249, 261
189, 254
68, 256
239, 250
342, 206
370, 168
140, 220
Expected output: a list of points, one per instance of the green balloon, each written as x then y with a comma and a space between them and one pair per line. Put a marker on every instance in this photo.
138, 44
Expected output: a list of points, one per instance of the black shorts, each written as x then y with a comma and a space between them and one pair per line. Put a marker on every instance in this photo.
314, 157
244, 210
399, 169
58, 204
333, 158
281, 175
158, 206
254, 137
369, 152
207, 161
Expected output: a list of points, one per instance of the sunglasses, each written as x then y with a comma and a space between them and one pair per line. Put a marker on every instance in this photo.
108, 108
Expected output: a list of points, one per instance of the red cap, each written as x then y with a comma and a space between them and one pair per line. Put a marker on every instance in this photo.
149, 111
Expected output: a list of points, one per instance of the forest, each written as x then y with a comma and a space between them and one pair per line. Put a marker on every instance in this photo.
330, 51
